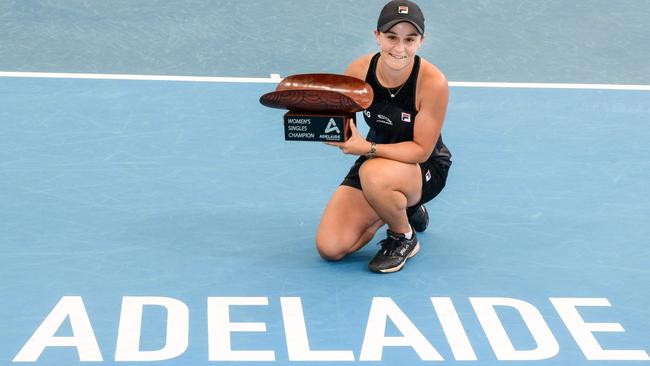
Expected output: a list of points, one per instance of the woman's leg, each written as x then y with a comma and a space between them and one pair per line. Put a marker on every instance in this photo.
348, 223
352, 217
390, 187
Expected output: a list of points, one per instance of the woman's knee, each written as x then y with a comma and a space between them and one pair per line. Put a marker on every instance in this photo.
334, 245
330, 250
380, 176
373, 174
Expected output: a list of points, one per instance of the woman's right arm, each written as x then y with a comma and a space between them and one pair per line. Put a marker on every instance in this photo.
359, 67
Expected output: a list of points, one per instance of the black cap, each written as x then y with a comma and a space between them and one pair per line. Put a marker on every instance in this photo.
398, 11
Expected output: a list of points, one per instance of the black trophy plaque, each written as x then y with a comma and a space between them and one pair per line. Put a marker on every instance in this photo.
317, 127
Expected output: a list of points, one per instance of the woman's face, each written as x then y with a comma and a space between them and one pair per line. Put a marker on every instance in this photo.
398, 45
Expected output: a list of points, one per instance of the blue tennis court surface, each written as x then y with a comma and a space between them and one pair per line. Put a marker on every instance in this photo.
187, 191
169, 223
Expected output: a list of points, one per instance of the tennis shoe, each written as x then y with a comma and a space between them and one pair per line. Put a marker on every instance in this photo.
394, 252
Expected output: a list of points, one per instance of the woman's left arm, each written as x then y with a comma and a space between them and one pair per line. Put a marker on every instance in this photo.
434, 94
428, 124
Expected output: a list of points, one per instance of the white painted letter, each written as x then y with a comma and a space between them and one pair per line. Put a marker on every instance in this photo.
547, 345
453, 328
83, 337
128, 335
375, 340
220, 327
582, 332
296, 333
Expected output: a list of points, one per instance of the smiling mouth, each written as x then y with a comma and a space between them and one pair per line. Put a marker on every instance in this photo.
397, 57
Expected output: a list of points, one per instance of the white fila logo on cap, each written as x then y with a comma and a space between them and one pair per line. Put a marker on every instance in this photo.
406, 117
403, 9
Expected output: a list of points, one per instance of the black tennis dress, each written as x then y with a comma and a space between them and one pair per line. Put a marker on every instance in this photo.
391, 121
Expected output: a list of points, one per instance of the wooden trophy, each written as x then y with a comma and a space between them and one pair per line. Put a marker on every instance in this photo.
321, 106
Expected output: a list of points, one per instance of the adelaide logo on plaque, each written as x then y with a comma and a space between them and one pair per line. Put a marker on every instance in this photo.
314, 127
321, 106
331, 126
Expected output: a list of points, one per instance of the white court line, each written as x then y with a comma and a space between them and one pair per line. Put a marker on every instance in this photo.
549, 86
275, 78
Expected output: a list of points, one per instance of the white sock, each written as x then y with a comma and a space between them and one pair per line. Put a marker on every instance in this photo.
409, 235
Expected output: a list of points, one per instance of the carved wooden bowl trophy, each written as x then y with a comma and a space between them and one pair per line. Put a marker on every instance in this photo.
321, 106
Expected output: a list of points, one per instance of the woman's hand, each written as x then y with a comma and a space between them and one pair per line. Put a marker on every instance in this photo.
355, 145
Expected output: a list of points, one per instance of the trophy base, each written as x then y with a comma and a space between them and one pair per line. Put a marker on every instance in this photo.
333, 127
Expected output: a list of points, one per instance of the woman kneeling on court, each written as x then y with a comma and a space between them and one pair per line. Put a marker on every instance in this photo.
402, 162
